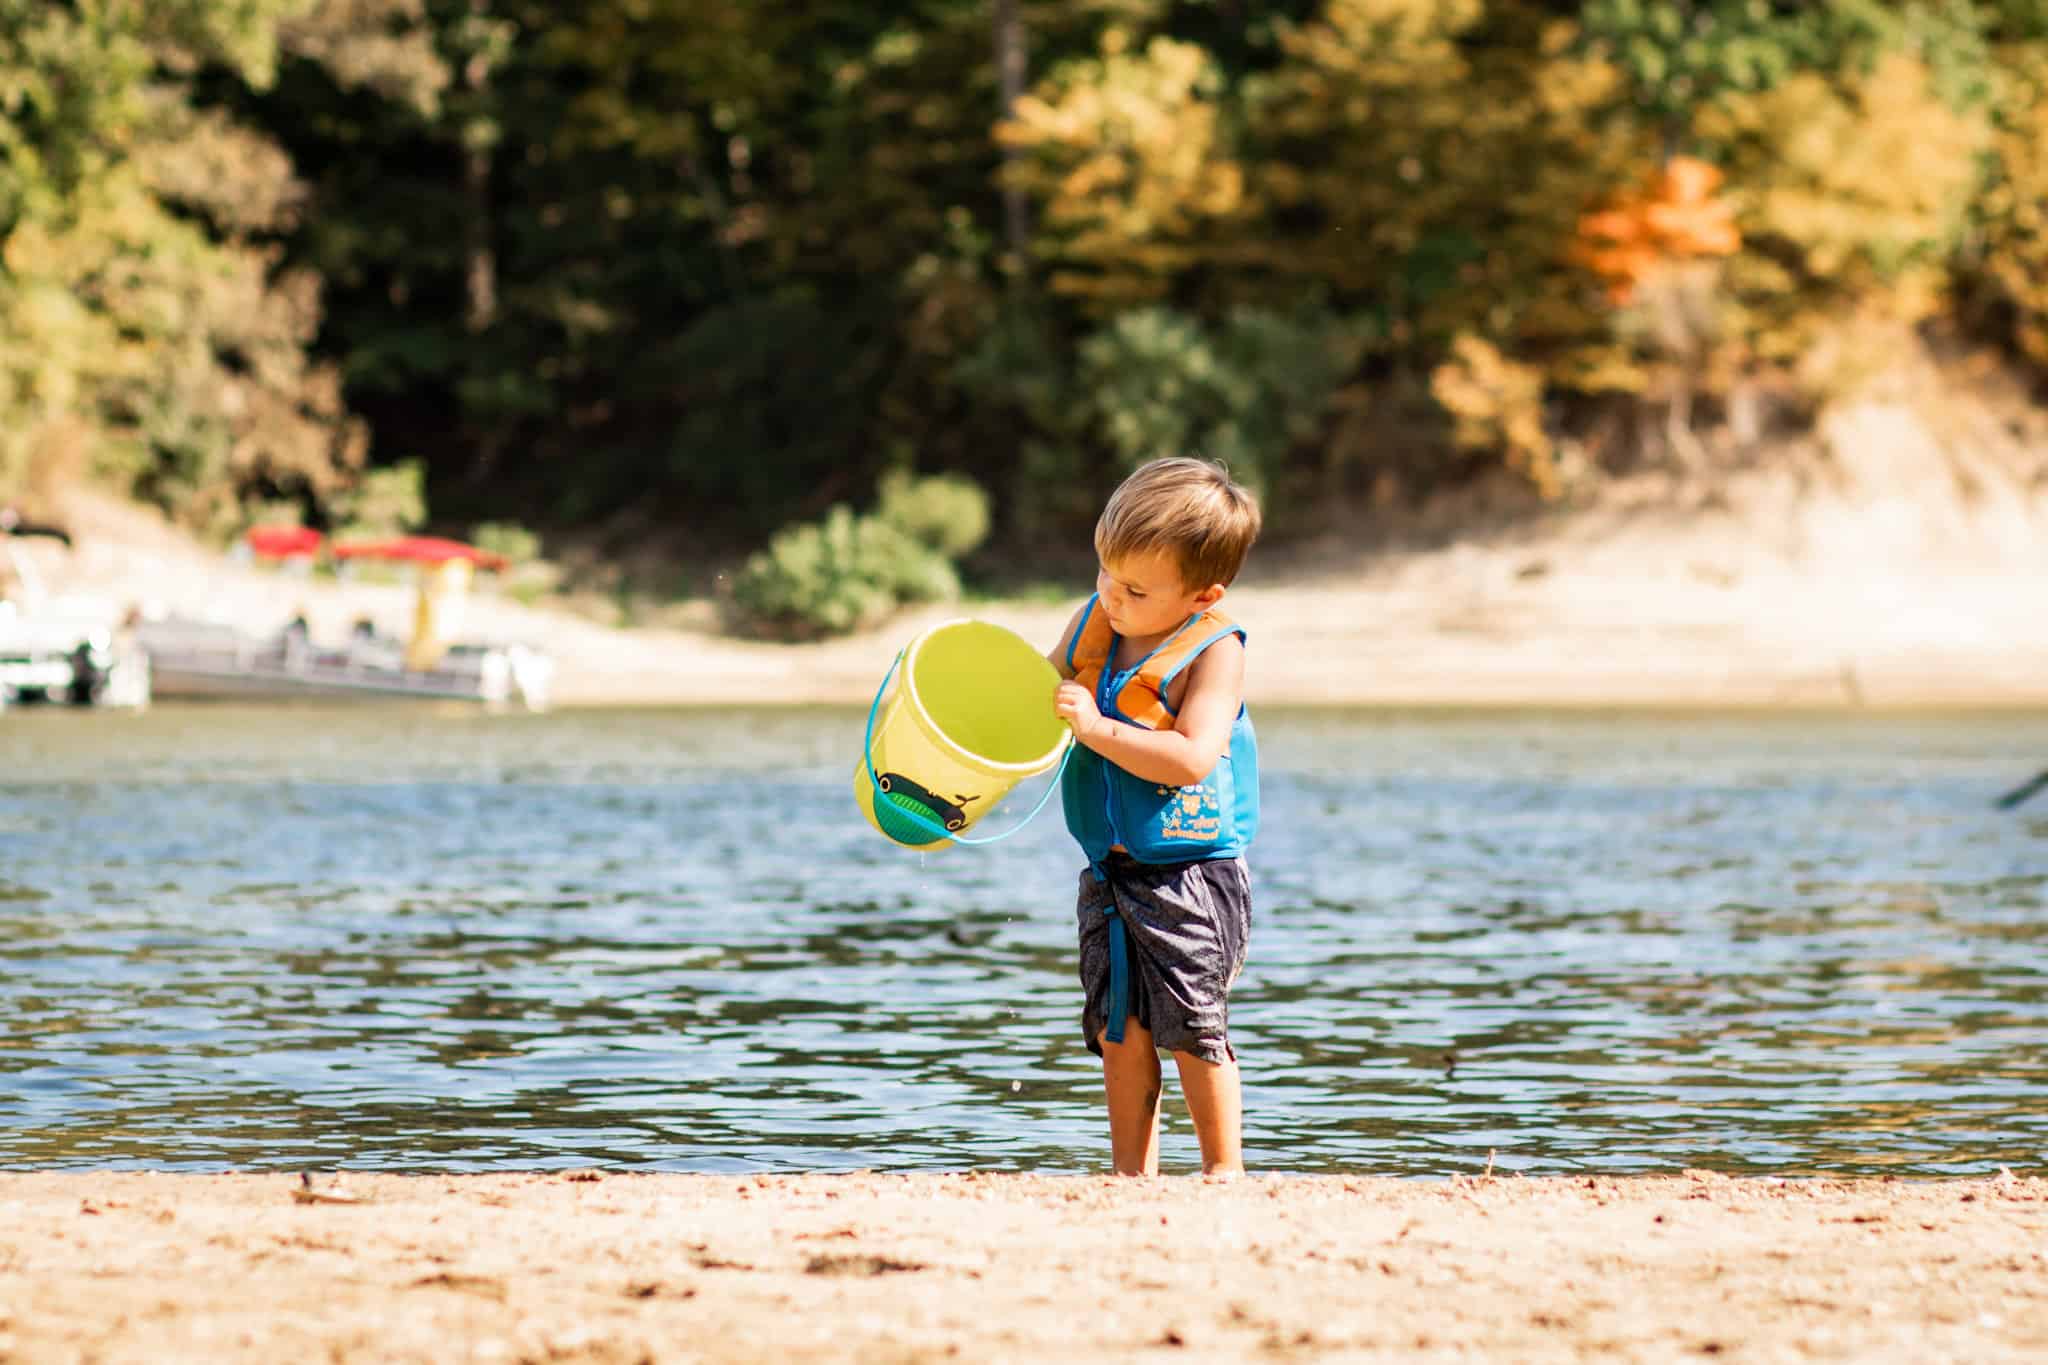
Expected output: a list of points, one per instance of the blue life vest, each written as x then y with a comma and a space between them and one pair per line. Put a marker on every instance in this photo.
1155, 822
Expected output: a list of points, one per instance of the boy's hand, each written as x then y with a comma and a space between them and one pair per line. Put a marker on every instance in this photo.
1075, 705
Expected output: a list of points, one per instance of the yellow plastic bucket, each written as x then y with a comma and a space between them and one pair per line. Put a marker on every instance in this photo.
971, 716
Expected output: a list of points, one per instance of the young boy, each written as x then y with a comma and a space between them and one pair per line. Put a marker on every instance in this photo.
1162, 793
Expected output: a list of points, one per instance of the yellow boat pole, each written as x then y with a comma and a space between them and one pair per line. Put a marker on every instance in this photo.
437, 614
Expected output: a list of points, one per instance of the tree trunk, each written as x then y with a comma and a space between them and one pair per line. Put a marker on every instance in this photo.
1010, 75
480, 260
478, 132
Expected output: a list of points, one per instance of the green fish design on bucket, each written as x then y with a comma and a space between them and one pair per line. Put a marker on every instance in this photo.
906, 795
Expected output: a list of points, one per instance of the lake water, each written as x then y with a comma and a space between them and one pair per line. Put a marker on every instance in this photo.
410, 939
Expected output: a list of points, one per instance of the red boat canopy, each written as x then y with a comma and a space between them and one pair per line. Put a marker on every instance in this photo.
284, 542
419, 550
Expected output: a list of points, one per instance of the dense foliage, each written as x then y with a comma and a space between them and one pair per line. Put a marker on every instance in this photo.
704, 269
848, 571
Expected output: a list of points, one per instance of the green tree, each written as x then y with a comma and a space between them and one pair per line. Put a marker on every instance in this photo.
732, 250
148, 333
1129, 161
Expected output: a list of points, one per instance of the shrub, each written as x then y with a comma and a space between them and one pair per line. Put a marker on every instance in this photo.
385, 502
1496, 404
849, 571
527, 577
508, 538
946, 513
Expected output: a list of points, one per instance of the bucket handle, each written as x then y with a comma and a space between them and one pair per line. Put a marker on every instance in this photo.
867, 754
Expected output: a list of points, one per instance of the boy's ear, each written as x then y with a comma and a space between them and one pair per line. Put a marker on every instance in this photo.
1209, 596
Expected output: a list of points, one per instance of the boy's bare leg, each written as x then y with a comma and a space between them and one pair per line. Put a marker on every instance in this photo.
1216, 1106
1130, 1080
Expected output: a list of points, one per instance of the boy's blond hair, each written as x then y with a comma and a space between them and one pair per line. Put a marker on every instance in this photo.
1188, 508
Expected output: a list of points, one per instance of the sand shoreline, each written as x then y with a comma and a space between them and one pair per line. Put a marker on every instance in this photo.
607, 1267
1895, 564
1605, 624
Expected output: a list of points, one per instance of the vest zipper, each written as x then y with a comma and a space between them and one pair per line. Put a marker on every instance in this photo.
1103, 692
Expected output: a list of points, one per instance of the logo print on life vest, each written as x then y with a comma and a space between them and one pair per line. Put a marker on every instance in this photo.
1193, 813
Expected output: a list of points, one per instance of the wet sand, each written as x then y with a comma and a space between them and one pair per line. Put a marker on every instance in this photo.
590, 1266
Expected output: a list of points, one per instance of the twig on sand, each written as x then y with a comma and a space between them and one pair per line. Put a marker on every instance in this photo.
304, 1193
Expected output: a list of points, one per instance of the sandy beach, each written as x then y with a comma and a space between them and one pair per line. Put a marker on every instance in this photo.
593, 1266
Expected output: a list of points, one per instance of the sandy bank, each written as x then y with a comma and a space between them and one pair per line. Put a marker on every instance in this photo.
1893, 561
591, 1267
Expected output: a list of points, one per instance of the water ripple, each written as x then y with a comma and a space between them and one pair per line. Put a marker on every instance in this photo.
424, 940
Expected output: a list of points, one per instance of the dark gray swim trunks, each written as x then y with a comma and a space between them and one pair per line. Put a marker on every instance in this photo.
1186, 927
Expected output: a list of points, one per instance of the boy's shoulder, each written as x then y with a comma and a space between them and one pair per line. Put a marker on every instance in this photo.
1216, 629
1216, 668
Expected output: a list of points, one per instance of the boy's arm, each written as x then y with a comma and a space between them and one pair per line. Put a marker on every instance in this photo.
1185, 754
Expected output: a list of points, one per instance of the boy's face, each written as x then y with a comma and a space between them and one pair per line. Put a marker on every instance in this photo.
1143, 594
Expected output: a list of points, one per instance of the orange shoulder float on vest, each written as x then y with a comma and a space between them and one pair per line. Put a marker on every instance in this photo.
1143, 698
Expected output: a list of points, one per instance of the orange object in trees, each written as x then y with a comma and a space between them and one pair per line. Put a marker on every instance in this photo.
1673, 217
